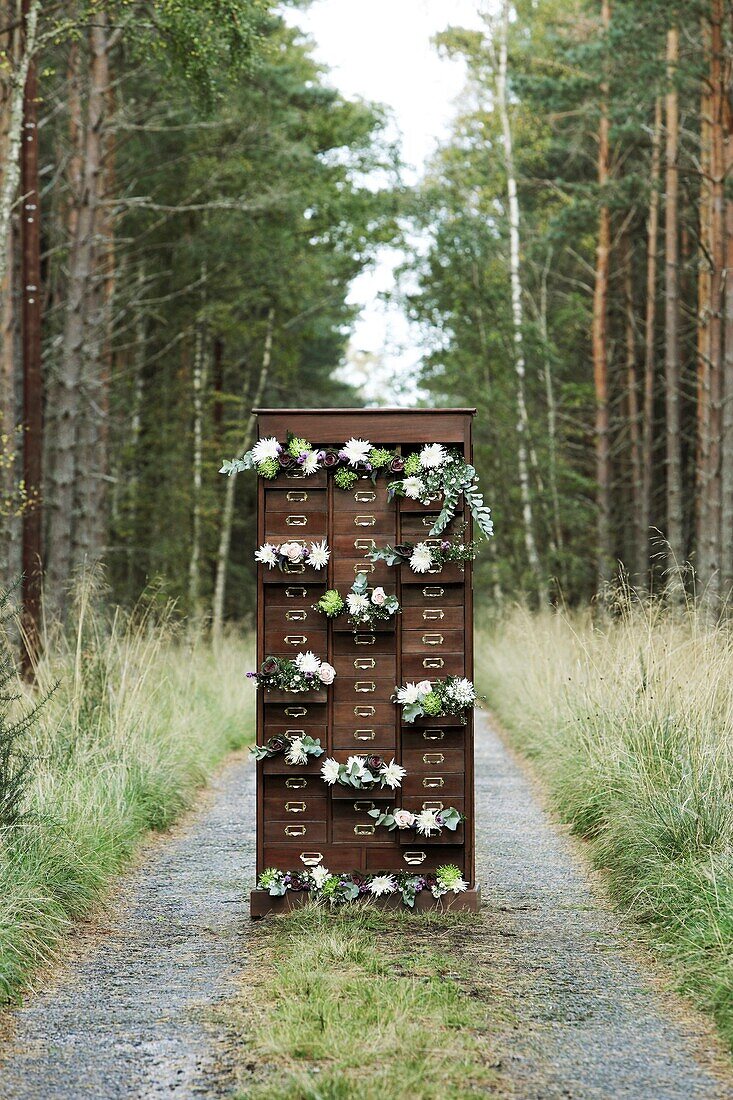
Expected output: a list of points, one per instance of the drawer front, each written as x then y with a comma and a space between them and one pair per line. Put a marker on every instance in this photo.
367, 714
274, 727
427, 593
433, 739
416, 666
409, 505
294, 787
431, 639
364, 497
434, 783
294, 478
367, 689
452, 573
355, 545
294, 806
415, 805
295, 596
433, 617
295, 524
293, 574
290, 640
297, 499
407, 838
366, 523
366, 738
362, 644
381, 665
301, 857
296, 833
278, 765
416, 526
345, 570
295, 712
352, 826
283, 620
441, 721
433, 757
416, 858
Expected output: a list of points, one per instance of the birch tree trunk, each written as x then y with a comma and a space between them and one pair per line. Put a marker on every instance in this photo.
600, 334
551, 413
673, 442
225, 537
647, 430
199, 381
517, 312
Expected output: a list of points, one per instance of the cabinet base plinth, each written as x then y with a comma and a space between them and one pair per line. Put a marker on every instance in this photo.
261, 904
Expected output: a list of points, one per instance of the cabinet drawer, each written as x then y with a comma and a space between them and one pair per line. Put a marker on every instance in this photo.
433, 617
364, 497
433, 738
293, 639
428, 593
295, 786
294, 858
367, 690
416, 526
428, 722
415, 805
433, 757
284, 620
275, 727
294, 478
351, 826
370, 714
452, 573
416, 666
278, 765
295, 524
294, 806
296, 498
367, 522
296, 833
416, 858
434, 782
348, 667
290, 574
366, 738
409, 505
362, 644
446, 837
345, 570
295, 709
432, 638
294, 595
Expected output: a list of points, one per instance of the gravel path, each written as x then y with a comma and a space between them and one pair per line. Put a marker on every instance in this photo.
126, 1018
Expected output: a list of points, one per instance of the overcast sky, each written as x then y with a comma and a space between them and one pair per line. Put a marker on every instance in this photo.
381, 50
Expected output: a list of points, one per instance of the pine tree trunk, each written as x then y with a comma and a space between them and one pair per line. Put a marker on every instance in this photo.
647, 431
199, 382
673, 443
726, 477
523, 441
632, 404
551, 416
600, 334
225, 537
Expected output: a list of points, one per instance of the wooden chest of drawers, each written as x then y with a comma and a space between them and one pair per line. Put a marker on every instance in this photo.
301, 821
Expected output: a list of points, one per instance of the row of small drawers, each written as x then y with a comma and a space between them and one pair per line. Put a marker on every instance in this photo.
350, 824
416, 858
300, 522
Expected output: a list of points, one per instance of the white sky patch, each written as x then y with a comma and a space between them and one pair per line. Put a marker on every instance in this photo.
381, 50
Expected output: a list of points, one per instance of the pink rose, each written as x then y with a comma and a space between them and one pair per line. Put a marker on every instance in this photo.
293, 551
424, 687
403, 819
326, 673
379, 596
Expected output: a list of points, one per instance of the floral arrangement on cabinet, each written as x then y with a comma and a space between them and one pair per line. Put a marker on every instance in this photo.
363, 772
336, 889
424, 556
297, 749
433, 699
363, 608
306, 673
425, 823
293, 553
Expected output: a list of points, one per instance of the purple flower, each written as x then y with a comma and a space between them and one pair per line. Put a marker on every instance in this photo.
397, 464
330, 458
367, 465
321, 456
343, 456
300, 459
284, 459
269, 666
251, 675
445, 545
374, 763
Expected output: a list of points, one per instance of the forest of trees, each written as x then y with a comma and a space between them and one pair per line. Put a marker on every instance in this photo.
185, 201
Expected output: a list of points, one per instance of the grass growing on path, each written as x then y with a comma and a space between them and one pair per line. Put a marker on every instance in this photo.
139, 719
630, 721
362, 1004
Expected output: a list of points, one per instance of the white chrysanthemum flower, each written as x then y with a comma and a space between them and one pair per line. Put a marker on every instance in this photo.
356, 603
382, 884
408, 694
359, 762
307, 662
267, 554
421, 558
392, 774
459, 885
319, 875
432, 456
296, 754
356, 451
330, 771
319, 554
463, 692
266, 448
426, 823
413, 487
310, 463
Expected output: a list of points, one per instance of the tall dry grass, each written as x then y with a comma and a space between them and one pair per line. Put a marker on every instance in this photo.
630, 720
141, 715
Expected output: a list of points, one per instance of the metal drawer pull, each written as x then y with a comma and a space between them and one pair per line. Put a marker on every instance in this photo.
295, 830
433, 591
433, 781
414, 858
296, 616
296, 712
310, 859
295, 474
433, 758
296, 593
365, 712
364, 521
364, 662
364, 496
364, 830
295, 807
365, 544
296, 784
432, 806
367, 567
437, 569
364, 735
295, 639
296, 496
432, 613
433, 735
432, 639
365, 685
295, 733
294, 567
428, 521
433, 662
365, 639
360, 807
296, 521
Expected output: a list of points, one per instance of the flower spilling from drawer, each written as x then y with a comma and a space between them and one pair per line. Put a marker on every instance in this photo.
363, 608
454, 695
321, 885
297, 749
363, 772
424, 823
269, 457
306, 673
293, 553
437, 471
423, 556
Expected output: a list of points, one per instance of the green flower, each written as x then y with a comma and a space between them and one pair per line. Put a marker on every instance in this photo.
330, 887
268, 877
431, 704
269, 467
412, 465
296, 446
345, 478
331, 603
379, 457
448, 875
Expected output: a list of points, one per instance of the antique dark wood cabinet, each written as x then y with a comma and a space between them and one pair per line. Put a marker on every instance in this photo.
302, 822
